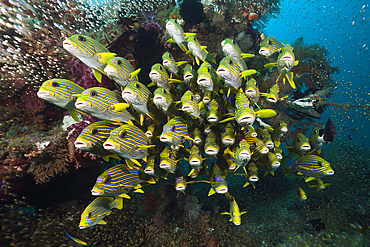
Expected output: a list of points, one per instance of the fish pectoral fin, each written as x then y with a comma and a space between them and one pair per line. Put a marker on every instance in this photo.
289, 76
225, 213
197, 61
139, 191
269, 129
319, 151
246, 184
135, 73
188, 138
246, 55
244, 212
144, 147
277, 143
211, 192
102, 222
104, 57
132, 162
296, 63
175, 81
270, 65
97, 75
265, 113
187, 35
170, 40
191, 172
227, 119
181, 63
151, 84
119, 107
308, 179
74, 114
106, 158
247, 73
124, 195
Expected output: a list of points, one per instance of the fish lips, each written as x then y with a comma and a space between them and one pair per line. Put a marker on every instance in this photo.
82, 227
82, 105
264, 52
221, 190
275, 165
211, 151
329, 173
269, 145
187, 108
305, 147
223, 72
165, 139
244, 156
180, 188
81, 144
148, 171
228, 141
188, 76
246, 120
287, 58
250, 92
127, 95
204, 82
271, 99
95, 192
110, 71
164, 165
109, 146
212, 119
45, 95
253, 178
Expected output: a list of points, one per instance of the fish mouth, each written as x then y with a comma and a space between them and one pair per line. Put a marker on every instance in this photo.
232, 167
195, 162
154, 75
126, 93
109, 146
286, 58
221, 190
278, 156
164, 139
206, 100
197, 140
158, 98
166, 62
222, 71
44, 94
164, 165
149, 171
244, 155
246, 120
329, 173
211, 151
265, 151
253, 179
109, 70
250, 91
148, 134
67, 44
95, 192
180, 188
82, 227
306, 147
81, 105
275, 165
284, 130
254, 135
212, 119
80, 144
269, 145
188, 77
271, 99
264, 52
203, 81
228, 141
187, 108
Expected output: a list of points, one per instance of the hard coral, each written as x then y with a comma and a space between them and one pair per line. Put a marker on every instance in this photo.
150, 22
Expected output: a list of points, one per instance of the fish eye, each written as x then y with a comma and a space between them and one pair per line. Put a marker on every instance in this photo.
94, 131
119, 62
269, 42
209, 70
89, 215
281, 50
293, 50
160, 67
164, 91
170, 156
233, 41
123, 134
169, 55
230, 62
55, 84
319, 163
298, 139
173, 128
93, 93
195, 39
192, 98
137, 86
81, 38
107, 180
279, 124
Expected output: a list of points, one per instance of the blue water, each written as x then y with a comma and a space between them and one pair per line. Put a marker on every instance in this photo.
343, 28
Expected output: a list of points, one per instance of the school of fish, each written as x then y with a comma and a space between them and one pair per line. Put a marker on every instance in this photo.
207, 114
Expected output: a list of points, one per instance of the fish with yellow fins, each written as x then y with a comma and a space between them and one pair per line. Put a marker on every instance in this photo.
177, 34
235, 214
269, 48
121, 71
95, 212
285, 62
62, 93
232, 49
300, 146
170, 64
90, 52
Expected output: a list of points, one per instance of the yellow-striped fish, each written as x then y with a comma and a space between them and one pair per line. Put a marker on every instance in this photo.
234, 213
190, 77
207, 77
195, 159
316, 139
257, 147
242, 153
279, 130
318, 185
270, 46
170, 64
160, 78
199, 52
99, 101
62, 93
121, 71
249, 131
279, 153
177, 34
218, 182
264, 135
272, 95
301, 194
129, 142
162, 98
93, 136
213, 112
232, 49
95, 212
168, 160
229, 71
211, 147
300, 146
252, 91
190, 105
268, 163
312, 166
152, 167
174, 132
197, 136
120, 180
90, 52
228, 135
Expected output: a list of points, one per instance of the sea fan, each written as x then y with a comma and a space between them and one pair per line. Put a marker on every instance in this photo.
150, 22
192, 209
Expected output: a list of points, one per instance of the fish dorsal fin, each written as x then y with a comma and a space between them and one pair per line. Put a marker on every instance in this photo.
104, 57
